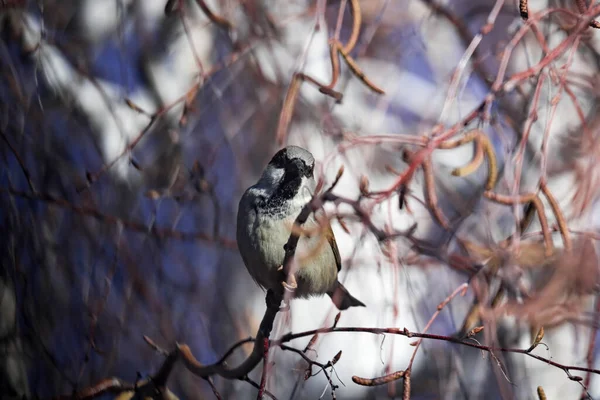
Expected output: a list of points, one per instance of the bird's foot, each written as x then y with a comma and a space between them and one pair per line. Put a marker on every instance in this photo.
292, 285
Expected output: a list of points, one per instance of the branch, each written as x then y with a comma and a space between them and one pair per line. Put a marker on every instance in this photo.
159, 380
405, 332
128, 224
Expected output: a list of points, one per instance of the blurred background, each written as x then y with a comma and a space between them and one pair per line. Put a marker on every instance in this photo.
129, 130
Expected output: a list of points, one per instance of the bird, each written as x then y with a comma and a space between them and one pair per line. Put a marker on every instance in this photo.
266, 214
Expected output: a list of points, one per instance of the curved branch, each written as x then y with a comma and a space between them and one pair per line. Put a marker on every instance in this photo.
266, 325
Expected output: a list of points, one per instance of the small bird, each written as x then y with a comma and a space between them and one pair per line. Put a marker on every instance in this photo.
266, 215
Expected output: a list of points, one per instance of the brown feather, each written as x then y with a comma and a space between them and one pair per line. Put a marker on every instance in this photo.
336, 252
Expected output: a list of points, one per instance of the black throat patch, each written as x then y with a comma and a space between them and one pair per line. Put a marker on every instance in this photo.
288, 189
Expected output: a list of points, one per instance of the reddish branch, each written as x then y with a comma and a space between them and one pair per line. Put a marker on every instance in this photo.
173, 6
581, 6
184, 354
405, 332
336, 48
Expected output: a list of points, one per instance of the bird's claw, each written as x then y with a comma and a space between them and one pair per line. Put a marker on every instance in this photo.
290, 285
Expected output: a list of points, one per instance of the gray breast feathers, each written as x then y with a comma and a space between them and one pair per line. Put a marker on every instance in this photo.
261, 239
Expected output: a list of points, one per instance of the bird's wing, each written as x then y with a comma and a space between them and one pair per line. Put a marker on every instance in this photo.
246, 219
336, 252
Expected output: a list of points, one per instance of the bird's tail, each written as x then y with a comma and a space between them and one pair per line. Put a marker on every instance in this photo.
342, 299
